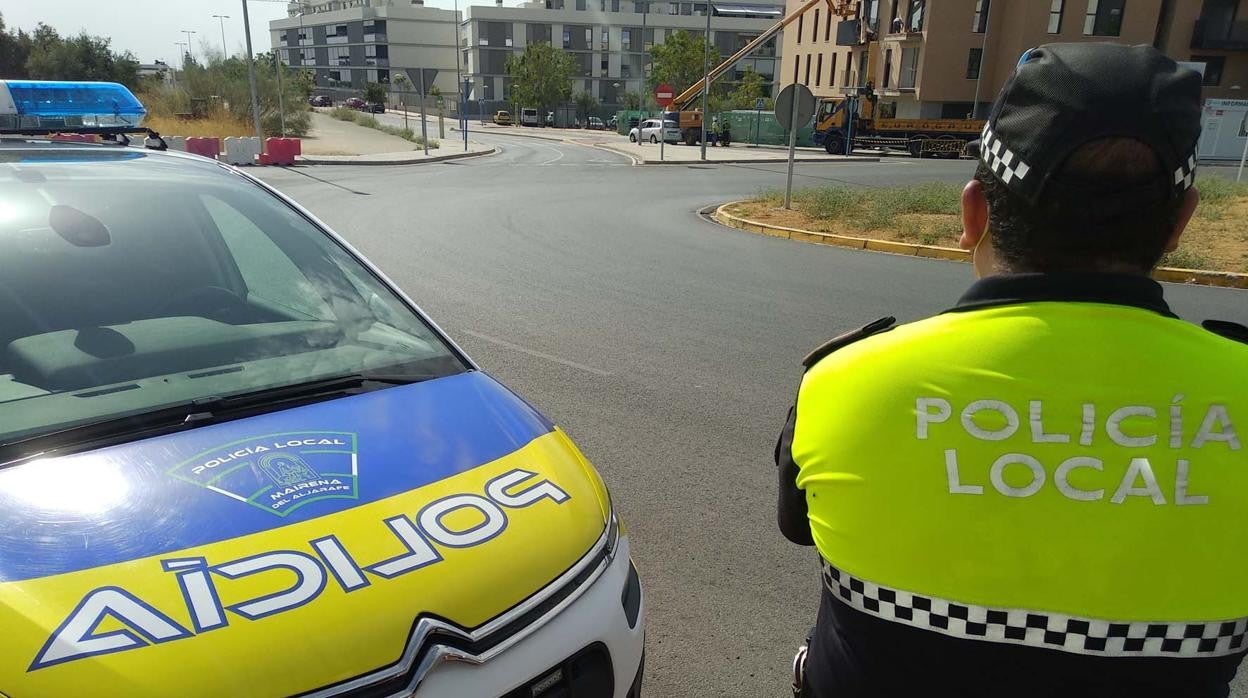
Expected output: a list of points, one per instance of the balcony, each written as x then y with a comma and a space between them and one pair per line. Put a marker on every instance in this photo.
1220, 35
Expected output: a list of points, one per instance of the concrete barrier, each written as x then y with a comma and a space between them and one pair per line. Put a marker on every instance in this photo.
175, 142
207, 147
280, 151
74, 137
242, 151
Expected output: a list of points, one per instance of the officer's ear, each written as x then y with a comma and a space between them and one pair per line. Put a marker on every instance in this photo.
1191, 199
974, 215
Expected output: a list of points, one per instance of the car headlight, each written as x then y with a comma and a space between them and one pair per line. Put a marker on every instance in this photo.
615, 530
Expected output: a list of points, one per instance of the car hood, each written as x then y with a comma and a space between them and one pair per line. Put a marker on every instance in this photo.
285, 552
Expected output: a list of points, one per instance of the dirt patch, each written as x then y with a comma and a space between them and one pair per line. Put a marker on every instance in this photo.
1215, 240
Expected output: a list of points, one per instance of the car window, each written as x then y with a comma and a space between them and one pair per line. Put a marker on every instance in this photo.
268, 273
131, 282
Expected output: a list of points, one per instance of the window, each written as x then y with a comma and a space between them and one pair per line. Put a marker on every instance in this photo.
909, 68
1055, 16
849, 69
538, 33
807, 80
871, 13
604, 64
979, 22
648, 37
973, 61
1213, 69
914, 15
863, 67
819, 71
832, 71
580, 4
797, 60
888, 68
1104, 18
626, 38
956, 110
827, 28
801, 19
814, 26
605, 42
339, 55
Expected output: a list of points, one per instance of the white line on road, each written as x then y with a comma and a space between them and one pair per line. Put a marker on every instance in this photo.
538, 354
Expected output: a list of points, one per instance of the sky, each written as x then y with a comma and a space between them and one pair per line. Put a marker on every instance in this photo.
150, 28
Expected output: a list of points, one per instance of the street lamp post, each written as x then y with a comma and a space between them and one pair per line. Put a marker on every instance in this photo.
189, 50
251, 74
706, 73
225, 53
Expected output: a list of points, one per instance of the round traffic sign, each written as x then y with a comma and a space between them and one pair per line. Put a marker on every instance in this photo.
663, 95
796, 97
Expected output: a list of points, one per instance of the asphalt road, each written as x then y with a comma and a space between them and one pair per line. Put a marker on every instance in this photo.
666, 345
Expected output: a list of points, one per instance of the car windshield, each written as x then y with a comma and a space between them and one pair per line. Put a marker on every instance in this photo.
131, 282
670, 124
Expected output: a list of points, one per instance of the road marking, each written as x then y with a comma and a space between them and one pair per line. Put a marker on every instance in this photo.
536, 353
557, 150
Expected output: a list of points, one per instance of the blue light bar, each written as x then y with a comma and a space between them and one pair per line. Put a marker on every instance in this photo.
53, 104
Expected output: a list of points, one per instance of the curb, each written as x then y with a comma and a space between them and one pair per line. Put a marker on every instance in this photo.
1225, 279
749, 161
302, 160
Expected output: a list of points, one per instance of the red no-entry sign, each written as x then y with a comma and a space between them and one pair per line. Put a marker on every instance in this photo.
663, 95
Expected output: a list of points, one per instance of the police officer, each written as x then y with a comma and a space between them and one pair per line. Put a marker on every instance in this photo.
1042, 491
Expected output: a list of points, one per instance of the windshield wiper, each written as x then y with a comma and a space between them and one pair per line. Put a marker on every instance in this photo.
202, 410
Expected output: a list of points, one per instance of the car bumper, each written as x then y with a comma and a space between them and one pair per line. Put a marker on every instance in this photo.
595, 623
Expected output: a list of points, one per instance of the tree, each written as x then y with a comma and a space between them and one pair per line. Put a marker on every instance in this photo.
53, 57
678, 61
14, 49
374, 93
585, 103
632, 100
541, 76
747, 92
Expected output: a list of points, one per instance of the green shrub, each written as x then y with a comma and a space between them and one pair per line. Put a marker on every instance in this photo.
1184, 258
344, 113
1216, 196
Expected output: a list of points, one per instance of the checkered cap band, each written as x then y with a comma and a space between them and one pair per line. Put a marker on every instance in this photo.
1073, 634
1185, 174
1005, 163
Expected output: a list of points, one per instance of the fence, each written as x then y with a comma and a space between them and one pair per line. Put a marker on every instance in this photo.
746, 126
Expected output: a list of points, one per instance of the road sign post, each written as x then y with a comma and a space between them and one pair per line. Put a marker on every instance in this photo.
758, 117
663, 96
794, 105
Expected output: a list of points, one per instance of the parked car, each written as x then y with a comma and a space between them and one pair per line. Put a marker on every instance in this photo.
528, 117
320, 101
653, 129
375, 108
595, 124
236, 459
354, 103
502, 118
613, 122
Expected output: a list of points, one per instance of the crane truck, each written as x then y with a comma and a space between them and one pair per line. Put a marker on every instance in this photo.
841, 123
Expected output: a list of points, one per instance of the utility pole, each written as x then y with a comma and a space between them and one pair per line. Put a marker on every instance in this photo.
251, 75
225, 53
181, 53
462, 102
983, 48
281, 106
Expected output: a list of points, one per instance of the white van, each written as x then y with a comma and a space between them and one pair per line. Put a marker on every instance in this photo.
528, 117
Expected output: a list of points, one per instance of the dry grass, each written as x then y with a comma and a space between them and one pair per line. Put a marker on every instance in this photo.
1216, 239
218, 126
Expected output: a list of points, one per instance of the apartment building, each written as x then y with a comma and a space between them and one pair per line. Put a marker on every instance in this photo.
949, 58
608, 39
350, 43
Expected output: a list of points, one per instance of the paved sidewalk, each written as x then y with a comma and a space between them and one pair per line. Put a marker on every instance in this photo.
334, 142
650, 154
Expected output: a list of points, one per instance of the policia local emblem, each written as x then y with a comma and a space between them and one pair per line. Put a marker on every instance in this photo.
278, 472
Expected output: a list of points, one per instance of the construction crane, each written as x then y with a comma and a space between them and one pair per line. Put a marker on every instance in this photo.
690, 121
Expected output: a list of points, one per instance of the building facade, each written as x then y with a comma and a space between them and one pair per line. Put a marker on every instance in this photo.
949, 58
609, 40
350, 43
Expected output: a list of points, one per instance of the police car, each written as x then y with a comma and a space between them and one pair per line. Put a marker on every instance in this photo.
236, 460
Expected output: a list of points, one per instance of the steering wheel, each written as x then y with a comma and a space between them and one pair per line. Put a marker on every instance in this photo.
212, 302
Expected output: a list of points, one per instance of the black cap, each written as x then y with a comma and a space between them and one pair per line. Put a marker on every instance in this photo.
1062, 96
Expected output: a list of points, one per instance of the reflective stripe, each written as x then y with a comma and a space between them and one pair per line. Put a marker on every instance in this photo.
1055, 631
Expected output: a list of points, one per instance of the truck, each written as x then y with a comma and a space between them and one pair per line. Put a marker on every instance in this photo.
854, 121
688, 119
847, 122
